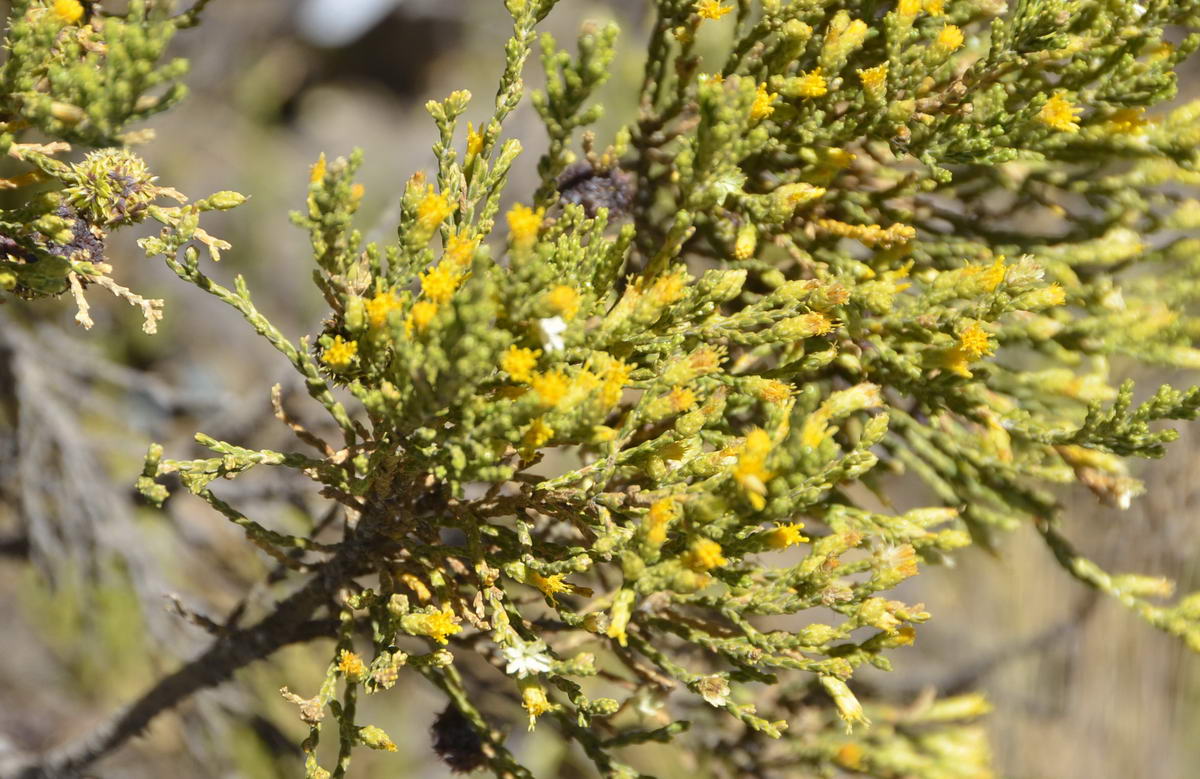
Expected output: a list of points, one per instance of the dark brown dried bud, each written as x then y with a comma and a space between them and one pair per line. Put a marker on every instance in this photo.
594, 188
456, 742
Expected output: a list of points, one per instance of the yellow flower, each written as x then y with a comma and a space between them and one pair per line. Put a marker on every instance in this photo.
815, 429
1127, 121
668, 289
549, 585
746, 242
993, 275
849, 756
658, 518
551, 388
949, 38
316, 173
474, 141
523, 225
935, 7
351, 666
438, 625
750, 471
613, 381
564, 300
519, 363
874, 79
534, 701
761, 108
440, 282
422, 314
704, 555
380, 306
909, 8
681, 399
70, 11
461, 248
810, 85
975, 341
786, 535
1055, 295
432, 209
712, 9
774, 392
1059, 114
340, 353
537, 434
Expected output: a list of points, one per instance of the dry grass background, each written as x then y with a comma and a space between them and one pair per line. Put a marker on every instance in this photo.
1081, 689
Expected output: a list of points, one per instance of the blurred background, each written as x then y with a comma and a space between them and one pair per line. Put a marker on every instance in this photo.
94, 585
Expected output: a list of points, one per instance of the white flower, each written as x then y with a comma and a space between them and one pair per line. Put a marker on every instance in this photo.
551, 333
526, 659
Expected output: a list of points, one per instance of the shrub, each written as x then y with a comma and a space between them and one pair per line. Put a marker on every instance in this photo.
583, 446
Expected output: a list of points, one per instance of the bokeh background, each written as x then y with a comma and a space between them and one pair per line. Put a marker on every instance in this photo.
1080, 687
